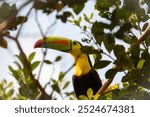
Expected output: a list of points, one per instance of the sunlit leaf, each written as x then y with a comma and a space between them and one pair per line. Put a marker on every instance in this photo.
140, 64
31, 56
83, 97
18, 65
35, 64
90, 93
96, 97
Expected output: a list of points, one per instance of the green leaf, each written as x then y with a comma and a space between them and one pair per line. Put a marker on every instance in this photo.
35, 64
25, 72
109, 42
101, 64
96, 97
140, 64
3, 43
14, 73
61, 76
90, 93
58, 58
86, 18
91, 16
119, 51
83, 97
56, 88
10, 92
10, 84
21, 57
84, 28
54, 81
31, 56
18, 65
78, 21
111, 73
66, 85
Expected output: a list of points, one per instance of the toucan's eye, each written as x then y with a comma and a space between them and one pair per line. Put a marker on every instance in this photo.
74, 43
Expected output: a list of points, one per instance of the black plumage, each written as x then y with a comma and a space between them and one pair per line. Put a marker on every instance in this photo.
82, 83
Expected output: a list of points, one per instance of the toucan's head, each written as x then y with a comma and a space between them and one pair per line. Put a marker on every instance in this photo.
60, 44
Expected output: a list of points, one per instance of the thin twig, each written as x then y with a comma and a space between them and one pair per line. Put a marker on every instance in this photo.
44, 51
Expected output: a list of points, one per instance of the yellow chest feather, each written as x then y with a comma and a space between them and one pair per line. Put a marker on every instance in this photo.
82, 66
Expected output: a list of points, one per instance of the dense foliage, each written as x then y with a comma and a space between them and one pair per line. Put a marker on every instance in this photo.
121, 21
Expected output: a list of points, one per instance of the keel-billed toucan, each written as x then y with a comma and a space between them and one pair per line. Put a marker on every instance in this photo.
85, 76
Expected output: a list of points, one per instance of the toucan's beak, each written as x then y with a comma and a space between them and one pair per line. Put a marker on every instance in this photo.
56, 43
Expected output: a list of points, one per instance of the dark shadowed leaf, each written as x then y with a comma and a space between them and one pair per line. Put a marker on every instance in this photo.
111, 73
147, 41
64, 16
58, 58
78, 8
88, 49
47, 62
135, 50
98, 32
119, 51
109, 42
101, 64
145, 26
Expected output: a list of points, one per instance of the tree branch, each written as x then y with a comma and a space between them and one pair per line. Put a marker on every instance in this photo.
145, 34
105, 86
28, 66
